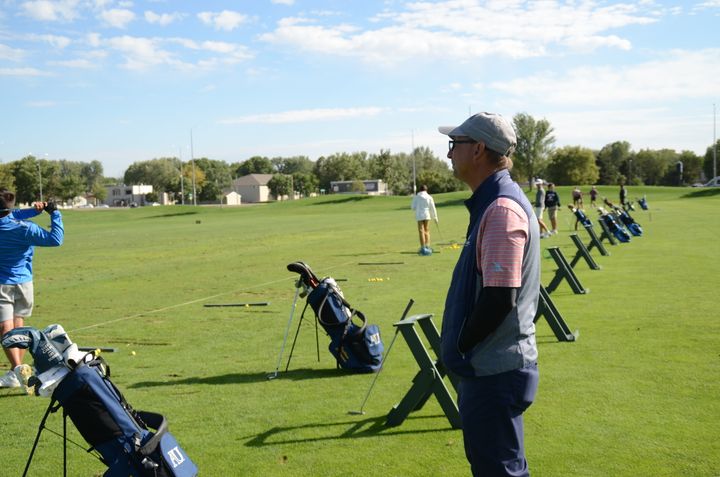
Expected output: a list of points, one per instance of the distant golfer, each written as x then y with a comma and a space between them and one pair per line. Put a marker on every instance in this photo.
18, 237
424, 207
488, 334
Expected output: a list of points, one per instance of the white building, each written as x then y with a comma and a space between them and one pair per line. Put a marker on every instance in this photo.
253, 187
123, 196
372, 187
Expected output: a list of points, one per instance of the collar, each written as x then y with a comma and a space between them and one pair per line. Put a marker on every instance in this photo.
484, 194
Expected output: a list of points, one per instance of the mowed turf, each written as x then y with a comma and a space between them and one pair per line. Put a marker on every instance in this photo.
636, 395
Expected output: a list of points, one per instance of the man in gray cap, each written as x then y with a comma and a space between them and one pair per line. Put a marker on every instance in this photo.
488, 335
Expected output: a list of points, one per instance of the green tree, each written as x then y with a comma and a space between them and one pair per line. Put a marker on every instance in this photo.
7, 179
710, 162
653, 165
341, 167
92, 174
391, 169
572, 165
71, 183
610, 159
255, 165
305, 183
292, 165
692, 166
280, 185
217, 178
27, 179
161, 173
534, 145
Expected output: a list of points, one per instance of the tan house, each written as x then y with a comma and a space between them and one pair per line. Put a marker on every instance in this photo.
253, 187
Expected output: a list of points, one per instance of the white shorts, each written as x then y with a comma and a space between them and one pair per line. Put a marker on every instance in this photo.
16, 300
539, 212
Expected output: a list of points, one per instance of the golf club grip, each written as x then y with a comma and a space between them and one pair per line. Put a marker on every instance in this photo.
407, 309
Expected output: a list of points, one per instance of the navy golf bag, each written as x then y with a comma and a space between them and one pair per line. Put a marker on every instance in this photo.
580, 216
131, 443
643, 203
618, 232
356, 345
630, 223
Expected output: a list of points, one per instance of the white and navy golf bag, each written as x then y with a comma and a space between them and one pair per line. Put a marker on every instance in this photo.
356, 346
629, 222
131, 443
618, 232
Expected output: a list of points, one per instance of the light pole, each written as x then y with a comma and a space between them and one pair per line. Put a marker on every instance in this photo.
714, 145
182, 179
412, 150
192, 159
40, 180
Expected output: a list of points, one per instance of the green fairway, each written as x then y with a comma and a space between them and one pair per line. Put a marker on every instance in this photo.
636, 395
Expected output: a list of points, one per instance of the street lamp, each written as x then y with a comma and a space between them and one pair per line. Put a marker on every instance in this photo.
192, 159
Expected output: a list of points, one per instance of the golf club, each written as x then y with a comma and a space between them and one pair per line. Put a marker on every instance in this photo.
439, 233
298, 286
382, 364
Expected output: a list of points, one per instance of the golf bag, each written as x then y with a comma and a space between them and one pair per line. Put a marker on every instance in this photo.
580, 216
643, 203
356, 347
629, 222
618, 232
121, 435
80, 384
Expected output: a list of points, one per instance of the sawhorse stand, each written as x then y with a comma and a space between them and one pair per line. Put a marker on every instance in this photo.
547, 309
606, 234
582, 252
595, 241
429, 380
564, 272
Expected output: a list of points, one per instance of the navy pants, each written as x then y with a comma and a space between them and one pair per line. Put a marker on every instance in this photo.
491, 409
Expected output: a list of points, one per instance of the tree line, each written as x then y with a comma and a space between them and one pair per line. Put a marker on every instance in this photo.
535, 156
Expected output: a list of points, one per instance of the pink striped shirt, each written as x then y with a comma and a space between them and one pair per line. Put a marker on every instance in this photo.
500, 243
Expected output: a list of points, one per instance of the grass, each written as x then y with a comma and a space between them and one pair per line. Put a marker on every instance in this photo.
637, 394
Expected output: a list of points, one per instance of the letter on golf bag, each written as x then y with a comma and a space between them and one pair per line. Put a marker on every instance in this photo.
355, 347
120, 434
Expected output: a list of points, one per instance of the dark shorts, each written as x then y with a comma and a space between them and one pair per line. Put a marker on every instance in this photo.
491, 409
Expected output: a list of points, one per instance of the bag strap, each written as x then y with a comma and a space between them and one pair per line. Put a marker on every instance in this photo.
157, 422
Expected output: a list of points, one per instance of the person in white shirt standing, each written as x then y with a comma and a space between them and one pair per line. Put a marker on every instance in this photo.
424, 207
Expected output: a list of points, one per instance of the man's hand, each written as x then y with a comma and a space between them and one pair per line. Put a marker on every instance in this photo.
50, 207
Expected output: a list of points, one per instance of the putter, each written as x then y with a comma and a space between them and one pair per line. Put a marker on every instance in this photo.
361, 412
298, 286
439, 233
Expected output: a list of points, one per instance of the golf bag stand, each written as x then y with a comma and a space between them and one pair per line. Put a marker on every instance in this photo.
355, 347
53, 407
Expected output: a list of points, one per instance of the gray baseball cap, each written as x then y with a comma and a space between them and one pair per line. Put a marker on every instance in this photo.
492, 129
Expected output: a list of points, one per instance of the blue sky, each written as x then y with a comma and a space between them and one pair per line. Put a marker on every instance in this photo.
126, 81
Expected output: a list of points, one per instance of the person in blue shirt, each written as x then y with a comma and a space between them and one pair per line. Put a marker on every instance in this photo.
18, 239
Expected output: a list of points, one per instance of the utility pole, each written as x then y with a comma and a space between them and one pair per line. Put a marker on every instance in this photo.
182, 179
40, 180
192, 158
412, 148
714, 145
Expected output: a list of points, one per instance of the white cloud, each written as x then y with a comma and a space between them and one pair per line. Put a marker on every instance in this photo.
226, 20
162, 19
304, 115
12, 54
140, 53
55, 41
41, 104
79, 63
23, 72
47, 10
468, 29
283, 2
117, 17
679, 75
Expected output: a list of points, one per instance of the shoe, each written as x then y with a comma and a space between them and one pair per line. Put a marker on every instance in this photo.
9, 380
554, 231
544, 235
23, 373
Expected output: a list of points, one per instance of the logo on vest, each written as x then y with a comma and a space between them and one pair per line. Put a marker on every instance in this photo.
176, 456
